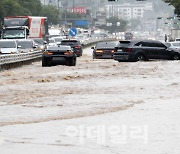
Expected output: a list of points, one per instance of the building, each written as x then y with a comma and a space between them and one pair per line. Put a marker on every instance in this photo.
128, 10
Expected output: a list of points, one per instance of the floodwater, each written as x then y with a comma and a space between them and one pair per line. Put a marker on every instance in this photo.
98, 106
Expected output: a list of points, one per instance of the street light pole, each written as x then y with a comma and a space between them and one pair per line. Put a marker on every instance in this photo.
73, 7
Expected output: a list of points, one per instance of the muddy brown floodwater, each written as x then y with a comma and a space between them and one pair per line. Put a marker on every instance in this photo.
92, 91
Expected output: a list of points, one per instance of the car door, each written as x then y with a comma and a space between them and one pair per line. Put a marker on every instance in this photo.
148, 49
161, 51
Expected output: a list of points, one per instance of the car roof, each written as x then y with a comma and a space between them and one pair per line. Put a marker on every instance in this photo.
139, 40
61, 47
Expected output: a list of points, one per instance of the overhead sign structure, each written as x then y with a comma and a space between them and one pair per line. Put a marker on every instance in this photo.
73, 32
79, 10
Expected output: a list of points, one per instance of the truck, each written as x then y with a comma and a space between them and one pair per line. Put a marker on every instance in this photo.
175, 35
24, 27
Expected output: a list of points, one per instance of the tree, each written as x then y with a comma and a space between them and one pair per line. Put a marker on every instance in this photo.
176, 4
30, 7
52, 13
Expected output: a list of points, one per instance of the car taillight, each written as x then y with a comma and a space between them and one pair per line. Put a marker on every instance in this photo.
99, 51
68, 53
129, 49
77, 47
48, 53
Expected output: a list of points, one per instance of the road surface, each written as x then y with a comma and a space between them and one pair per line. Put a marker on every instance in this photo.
98, 106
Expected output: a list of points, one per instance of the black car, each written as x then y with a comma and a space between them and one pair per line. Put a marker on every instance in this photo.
58, 55
103, 50
75, 44
136, 50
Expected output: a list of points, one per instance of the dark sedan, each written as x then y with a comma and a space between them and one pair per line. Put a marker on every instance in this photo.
137, 50
58, 55
103, 50
75, 44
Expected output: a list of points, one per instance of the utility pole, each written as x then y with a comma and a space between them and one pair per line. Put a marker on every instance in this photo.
73, 7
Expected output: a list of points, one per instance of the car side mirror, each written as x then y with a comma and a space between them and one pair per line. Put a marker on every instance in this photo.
19, 46
92, 48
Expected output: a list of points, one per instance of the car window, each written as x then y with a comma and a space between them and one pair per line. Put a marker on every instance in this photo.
168, 45
51, 41
105, 45
176, 44
139, 44
7, 44
25, 44
69, 42
124, 43
160, 45
58, 39
147, 44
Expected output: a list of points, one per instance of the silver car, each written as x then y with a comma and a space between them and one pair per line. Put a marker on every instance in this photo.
8, 47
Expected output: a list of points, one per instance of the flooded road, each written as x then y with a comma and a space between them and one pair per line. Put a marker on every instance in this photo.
98, 106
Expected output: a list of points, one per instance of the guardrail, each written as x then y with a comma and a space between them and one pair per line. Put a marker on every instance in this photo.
14, 60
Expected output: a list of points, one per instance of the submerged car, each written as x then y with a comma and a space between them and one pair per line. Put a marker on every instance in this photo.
27, 45
75, 44
8, 47
141, 50
103, 50
54, 55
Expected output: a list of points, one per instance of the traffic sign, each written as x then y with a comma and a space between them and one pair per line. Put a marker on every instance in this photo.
73, 32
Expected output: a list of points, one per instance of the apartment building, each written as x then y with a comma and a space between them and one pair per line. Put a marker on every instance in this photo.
128, 10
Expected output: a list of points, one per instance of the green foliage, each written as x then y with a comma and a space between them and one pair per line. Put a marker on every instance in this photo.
52, 13
28, 8
176, 4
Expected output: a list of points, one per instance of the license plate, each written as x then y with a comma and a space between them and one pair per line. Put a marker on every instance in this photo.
106, 56
58, 58
119, 50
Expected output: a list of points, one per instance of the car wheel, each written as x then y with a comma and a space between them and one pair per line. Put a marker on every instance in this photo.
175, 57
94, 56
140, 57
71, 62
44, 62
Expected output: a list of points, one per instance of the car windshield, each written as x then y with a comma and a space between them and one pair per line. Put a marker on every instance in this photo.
106, 45
51, 41
177, 44
58, 39
13, 33
25, 44
39, 41
7, 44
124, 43
69, 43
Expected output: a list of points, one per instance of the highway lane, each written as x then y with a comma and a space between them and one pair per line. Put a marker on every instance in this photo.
50, 110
